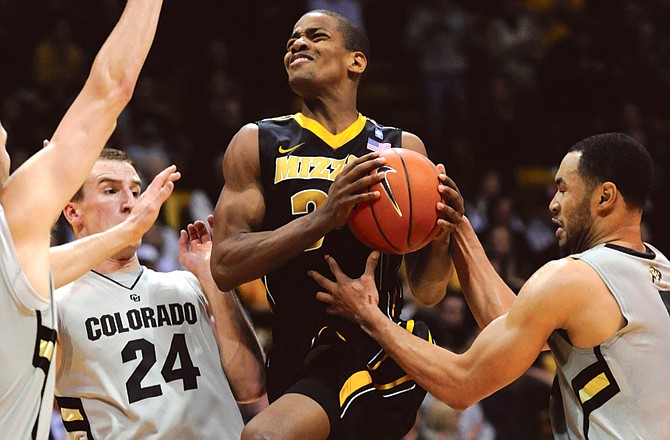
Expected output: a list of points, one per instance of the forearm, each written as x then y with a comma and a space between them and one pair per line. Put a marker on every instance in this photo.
485, 291
89, 122
72, 260
119, 61
112, 77
429, 271
460, 380
432, 367
241, 354
250, 255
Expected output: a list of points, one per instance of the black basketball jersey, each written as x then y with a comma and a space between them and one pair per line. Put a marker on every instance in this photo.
299, 161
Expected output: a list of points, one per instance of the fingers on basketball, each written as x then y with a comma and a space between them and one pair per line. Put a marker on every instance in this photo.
404, 218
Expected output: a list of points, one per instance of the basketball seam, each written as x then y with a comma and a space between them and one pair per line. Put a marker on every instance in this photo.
409, 197
379, 228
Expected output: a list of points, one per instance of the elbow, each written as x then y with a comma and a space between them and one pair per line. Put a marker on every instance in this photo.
456, 389
457, 401
231, 265
124, 90
460, 407
251, 392
115, 89
120, 92
252, 396
222, 277
223, 281
427, 302
461, 404
427, 295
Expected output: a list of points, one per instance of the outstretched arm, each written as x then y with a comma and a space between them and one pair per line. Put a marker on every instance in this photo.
50, 178
501, 353
430, 269
71, 260
241, 251
241, 354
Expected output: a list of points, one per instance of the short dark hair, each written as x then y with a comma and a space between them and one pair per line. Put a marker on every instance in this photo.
620, 159
355, 38
106, 154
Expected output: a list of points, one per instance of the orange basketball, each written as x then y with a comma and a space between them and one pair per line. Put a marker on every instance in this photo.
404, 218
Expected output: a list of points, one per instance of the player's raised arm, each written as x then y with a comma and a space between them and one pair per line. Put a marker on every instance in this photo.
240, 351
35, 194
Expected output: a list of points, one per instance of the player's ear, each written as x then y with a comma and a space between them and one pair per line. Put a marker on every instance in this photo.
72, 214
359, 62
607, 196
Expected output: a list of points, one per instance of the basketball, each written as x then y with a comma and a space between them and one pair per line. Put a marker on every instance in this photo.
404, 218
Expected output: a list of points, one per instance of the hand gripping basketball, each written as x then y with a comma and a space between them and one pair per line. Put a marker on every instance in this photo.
404, 218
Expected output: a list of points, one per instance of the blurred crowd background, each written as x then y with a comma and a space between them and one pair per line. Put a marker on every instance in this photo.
497, 89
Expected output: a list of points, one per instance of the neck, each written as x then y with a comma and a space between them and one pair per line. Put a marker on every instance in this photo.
628, 236
119, 265
335, 116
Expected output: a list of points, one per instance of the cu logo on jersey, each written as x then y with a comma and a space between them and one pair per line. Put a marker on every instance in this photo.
655, 275
135, 297
387, 186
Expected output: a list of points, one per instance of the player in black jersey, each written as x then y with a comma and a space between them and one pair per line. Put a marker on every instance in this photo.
291, 183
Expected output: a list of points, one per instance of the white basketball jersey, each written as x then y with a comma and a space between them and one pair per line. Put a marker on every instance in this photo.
141, 362
621, 388
27, 344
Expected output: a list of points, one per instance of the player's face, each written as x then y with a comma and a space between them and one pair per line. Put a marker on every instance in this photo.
4, 156
571, 207
109, 196
315, 55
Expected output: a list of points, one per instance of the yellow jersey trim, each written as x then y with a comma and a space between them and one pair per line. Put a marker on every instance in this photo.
354, 383
595, 385
71, 415
334, 141
395, 383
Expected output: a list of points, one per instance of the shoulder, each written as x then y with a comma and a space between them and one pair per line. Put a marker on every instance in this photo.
276, 121
413, 142
562, 274
248, 133
572, 293
242, 150
181, 283
79, 288
184, 280
191, 280
562, 288
172, 277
